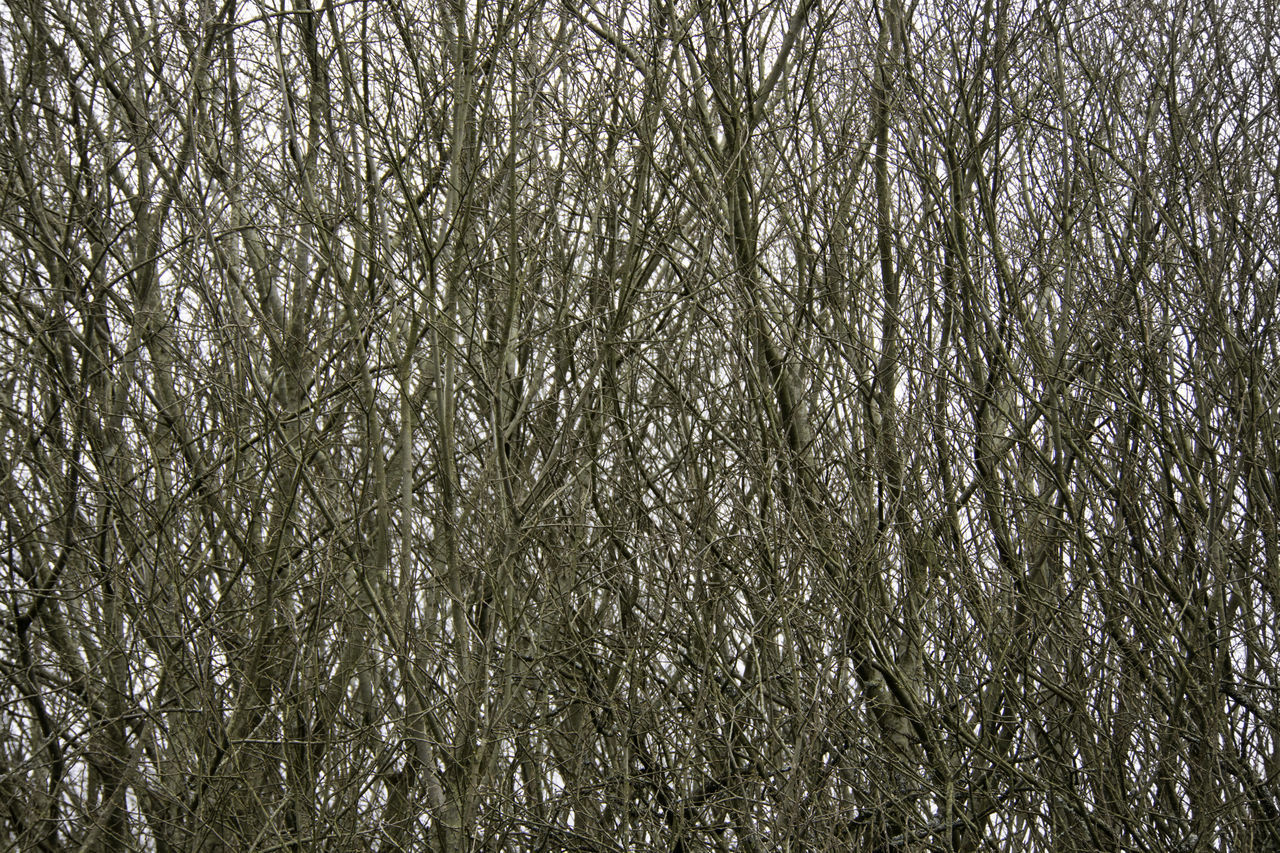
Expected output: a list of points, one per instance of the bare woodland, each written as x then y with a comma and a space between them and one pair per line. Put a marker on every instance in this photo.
673, 425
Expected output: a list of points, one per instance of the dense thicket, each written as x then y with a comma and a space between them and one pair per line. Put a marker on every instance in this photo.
668, 425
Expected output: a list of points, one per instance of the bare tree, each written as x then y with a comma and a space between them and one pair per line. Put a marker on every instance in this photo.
626, 426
